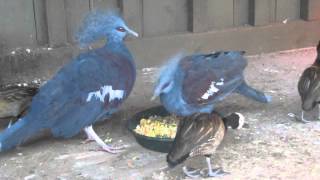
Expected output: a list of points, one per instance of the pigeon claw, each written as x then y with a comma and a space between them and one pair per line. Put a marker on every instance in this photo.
191, 172
218, 172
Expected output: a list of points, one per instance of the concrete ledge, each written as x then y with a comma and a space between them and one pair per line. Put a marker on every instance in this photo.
154, 51
20, 66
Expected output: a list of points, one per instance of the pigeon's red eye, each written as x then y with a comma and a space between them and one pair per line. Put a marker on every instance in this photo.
121, 29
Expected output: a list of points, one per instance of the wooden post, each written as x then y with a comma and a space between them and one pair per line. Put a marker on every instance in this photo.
132, 13
240, 12
211, 14
40, 22
198, 18
262, 12
75, 12
287, 10
310, 10
162, 17
56, 19
104, 4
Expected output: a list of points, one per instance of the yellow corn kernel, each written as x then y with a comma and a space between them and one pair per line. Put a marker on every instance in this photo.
157, 127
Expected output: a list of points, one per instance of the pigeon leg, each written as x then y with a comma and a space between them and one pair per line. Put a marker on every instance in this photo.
89, 138
190, 172
252, 93
92, 134
10, 124
218, 172
303, 119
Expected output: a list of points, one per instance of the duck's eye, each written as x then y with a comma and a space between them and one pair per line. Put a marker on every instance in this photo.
121, 29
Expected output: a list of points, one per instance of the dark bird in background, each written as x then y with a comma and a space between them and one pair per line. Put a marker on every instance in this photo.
14, 100
200, 135
195, 83
309, 86
89, 88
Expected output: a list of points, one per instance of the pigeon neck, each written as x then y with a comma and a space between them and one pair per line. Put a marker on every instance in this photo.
121, 48
117, 46
114, 41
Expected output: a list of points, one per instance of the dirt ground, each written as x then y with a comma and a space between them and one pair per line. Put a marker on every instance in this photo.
275, 146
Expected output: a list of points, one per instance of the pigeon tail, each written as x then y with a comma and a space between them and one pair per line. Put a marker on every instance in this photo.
254, 94
16, 134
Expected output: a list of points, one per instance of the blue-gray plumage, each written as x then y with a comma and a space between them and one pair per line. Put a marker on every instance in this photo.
90, 87
194, 84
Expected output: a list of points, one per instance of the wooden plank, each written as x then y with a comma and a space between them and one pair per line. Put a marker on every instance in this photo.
104, 4
41, 22
262, 12
199, 16
310, 10
56, 20
287, 10
240, 12
220, 13
211, 14
132, 13
147, 53
75, 12
253, 40
314, 13
164, 17
17, 24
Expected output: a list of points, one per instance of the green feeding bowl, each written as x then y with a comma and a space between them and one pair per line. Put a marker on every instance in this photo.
152, 143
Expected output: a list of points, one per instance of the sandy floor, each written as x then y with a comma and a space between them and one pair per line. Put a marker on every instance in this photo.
274, 147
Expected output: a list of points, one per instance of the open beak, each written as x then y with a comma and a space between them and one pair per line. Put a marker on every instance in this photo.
132, 32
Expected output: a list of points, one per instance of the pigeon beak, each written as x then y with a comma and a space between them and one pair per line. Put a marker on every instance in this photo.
132, 32
153, 98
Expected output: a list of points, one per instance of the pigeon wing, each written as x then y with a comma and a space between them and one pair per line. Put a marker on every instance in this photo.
209, 78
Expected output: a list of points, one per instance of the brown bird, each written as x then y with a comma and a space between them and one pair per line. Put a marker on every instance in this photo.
200, 135
14, 100
309, 86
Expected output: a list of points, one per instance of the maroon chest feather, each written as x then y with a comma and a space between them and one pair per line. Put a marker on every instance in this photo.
121, 75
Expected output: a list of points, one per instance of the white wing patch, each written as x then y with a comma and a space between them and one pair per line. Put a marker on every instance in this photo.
106, 90
212, 89
221, 82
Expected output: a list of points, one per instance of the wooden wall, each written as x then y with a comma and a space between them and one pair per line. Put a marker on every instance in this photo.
165, 27
53, 22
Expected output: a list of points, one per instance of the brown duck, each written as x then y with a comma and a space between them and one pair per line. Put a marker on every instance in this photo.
309, 86
15, 99
200, 135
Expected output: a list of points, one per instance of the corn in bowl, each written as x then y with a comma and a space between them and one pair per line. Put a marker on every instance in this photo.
156, 126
